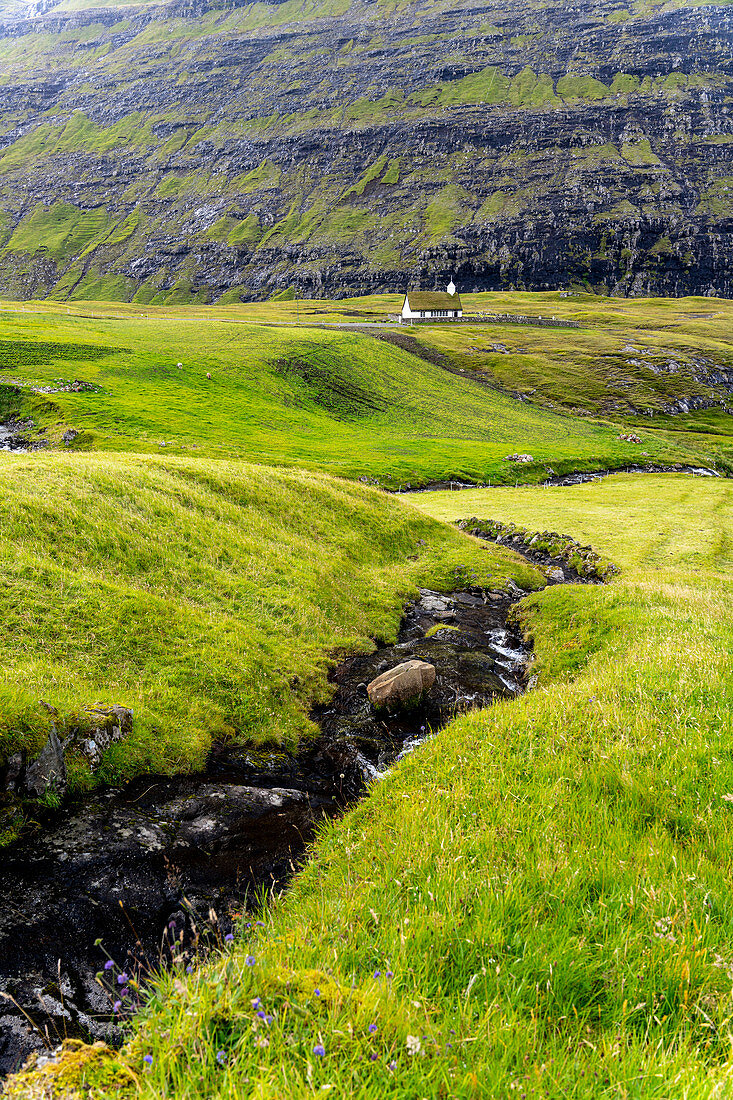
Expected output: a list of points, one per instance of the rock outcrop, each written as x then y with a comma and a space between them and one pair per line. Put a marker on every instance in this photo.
87, 735
190, 152
48, 770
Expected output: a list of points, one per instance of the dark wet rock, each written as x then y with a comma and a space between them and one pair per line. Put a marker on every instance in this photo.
441, 630
69, 436
48, 771
12, 437
432, 603
123, 860
13, 771
402, 686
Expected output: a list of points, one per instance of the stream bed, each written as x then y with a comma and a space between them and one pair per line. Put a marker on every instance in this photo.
11, 438
168, 864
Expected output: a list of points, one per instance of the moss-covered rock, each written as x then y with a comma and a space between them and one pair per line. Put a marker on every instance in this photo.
73, 1072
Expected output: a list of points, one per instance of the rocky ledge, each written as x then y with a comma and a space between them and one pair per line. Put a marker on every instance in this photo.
564, 558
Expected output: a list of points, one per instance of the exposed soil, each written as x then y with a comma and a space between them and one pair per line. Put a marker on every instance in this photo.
139, 866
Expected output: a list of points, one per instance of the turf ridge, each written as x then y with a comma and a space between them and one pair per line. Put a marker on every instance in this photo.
582, 559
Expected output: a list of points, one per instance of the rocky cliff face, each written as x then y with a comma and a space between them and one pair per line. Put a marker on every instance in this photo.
189, 152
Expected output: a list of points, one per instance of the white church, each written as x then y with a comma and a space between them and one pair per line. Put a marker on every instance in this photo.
432, 305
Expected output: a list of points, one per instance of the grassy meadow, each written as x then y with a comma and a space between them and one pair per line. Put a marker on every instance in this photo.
285, 391
537, 903
691, 527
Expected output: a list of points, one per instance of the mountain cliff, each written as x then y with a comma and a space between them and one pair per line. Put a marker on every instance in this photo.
190, 152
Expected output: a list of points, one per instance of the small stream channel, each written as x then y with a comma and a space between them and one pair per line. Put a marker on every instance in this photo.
139, 866
10, 439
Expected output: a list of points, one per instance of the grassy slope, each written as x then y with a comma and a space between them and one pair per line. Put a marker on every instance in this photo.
336, 400
210, 599
593, 369
547, 881
630, 356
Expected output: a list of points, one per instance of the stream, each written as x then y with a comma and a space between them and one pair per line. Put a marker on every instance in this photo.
10, 440
170, 864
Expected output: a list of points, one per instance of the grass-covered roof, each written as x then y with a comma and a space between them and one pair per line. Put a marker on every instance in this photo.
429, 300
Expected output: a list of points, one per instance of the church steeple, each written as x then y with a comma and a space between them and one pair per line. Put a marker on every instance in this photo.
451, 288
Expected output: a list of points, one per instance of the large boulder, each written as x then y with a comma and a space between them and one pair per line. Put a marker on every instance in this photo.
402, 686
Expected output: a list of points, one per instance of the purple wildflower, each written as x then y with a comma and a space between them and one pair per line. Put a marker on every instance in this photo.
261, 1014
389, 975
124, 993
317, 992
229, 938
189, 969
121, 978
372, 1028
148, 1058
377, 973
250, 960
373, 1057
269, 1019
260, 923
392, 1066
319, 1050
256, 1002
221, 1057
117, 1006
108, 965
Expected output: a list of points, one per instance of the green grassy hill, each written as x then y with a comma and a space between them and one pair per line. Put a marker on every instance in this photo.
347, 402
538, 899
537, 902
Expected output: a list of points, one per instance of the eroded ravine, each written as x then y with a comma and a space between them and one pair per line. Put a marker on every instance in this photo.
139, 867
